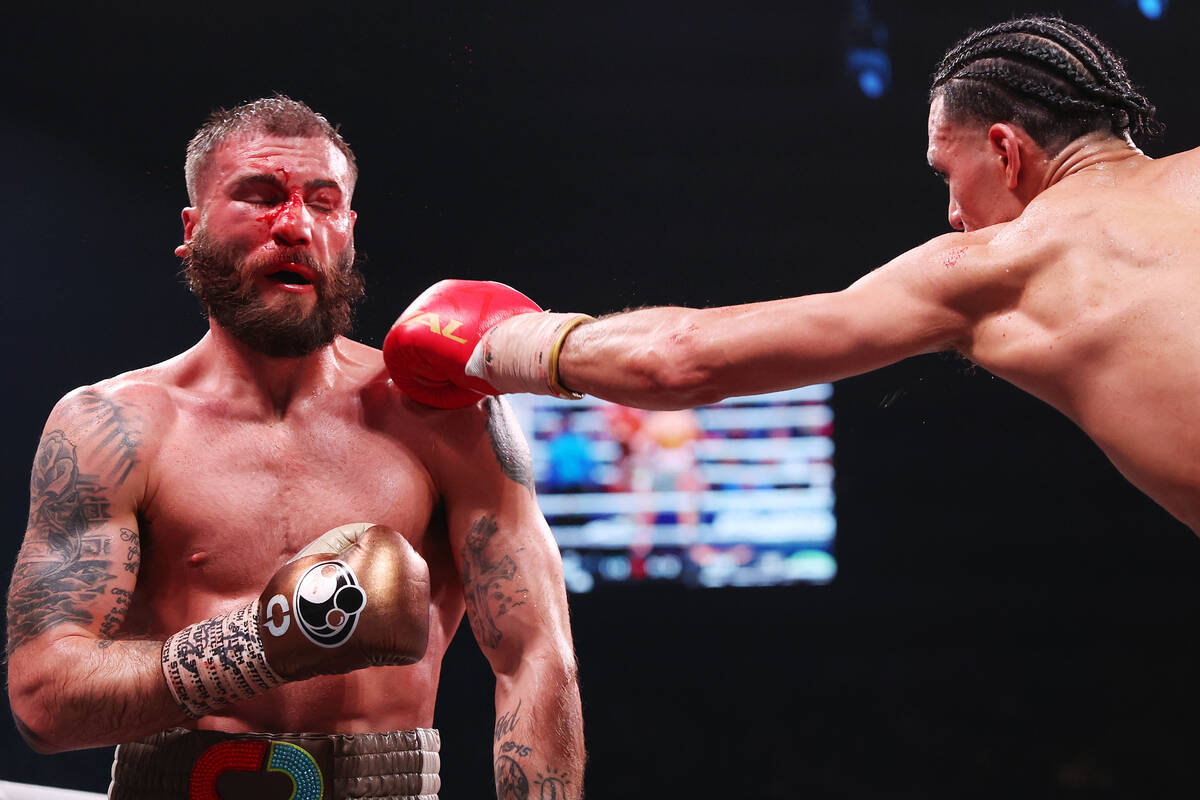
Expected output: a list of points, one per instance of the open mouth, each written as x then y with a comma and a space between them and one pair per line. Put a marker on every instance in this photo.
287, 276
292, 275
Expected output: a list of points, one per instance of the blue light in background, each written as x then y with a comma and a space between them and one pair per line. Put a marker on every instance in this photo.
871, 83
872, 67
1152, 9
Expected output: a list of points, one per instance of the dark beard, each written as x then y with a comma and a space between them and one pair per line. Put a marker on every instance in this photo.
211, 271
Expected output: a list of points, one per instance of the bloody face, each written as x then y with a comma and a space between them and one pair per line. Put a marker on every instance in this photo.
269, 248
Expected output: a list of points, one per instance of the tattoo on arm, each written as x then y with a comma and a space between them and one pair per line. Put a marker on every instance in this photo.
507, 723
511, 452
121, 597
133, 556
488, 585
511, 783
521, 750
118, 435
511, 778
552, 784
64, 564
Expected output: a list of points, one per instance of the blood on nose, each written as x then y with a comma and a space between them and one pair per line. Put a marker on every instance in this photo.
284, 211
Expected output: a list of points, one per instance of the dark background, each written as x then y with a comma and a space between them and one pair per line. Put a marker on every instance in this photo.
1011, 619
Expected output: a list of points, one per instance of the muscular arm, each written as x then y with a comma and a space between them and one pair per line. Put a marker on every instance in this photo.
73, 681
517, 607
923, 301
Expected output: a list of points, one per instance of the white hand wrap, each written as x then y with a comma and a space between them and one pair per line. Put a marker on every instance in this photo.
217, 662
521, 354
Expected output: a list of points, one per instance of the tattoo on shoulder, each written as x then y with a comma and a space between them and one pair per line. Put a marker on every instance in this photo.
117, 435
488, 585
511, 451
65, 564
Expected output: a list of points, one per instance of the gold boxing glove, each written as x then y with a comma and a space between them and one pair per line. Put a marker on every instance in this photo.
357, 596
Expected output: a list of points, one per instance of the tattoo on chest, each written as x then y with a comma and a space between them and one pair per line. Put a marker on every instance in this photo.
489, 585
511, 452
65, 564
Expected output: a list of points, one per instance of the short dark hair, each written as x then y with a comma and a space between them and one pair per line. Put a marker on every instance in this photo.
1054, 78
278, 115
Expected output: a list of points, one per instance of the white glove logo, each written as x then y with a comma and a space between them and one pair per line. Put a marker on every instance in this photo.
327, 603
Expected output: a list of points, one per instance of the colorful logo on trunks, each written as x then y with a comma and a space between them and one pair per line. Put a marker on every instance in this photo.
326, 603
230, 770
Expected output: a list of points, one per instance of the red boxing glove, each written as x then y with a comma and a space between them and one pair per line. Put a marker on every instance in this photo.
427, 350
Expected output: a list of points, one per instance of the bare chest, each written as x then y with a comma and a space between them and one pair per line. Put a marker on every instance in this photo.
229, 502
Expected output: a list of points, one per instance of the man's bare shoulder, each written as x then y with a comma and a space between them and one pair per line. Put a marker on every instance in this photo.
144, 393
458, 431
959, 264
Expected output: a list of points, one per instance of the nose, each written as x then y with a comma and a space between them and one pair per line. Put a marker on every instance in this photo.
292, 227
954, 215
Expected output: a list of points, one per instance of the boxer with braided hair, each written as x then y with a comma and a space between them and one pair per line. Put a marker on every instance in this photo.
1071, 273
1054, 78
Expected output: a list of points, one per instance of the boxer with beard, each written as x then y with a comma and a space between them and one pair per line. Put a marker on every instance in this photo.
165, 499
214, 276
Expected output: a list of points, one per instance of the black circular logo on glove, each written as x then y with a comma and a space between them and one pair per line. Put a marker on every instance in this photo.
328, 600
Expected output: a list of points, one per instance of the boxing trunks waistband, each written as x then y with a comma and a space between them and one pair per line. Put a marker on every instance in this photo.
211, 765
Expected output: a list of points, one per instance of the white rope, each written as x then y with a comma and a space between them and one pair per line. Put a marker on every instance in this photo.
26, 791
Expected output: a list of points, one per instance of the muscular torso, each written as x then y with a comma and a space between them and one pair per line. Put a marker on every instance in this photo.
1105, 324
231, 495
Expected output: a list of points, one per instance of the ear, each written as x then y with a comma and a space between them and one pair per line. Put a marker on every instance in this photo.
1006, 145
191, 217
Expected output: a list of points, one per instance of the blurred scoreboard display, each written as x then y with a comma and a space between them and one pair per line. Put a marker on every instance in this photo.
739, 493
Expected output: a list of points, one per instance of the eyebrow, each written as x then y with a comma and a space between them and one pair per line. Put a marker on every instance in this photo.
273, 179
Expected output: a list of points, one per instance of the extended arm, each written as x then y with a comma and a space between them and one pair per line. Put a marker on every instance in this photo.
925, 300
517, 606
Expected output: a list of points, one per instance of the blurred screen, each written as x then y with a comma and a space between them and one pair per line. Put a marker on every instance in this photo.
734, 494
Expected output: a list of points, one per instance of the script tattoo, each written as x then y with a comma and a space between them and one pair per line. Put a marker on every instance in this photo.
114, 618
65, 564
133, 556
511, 783
507, 723
487, 584
511, 452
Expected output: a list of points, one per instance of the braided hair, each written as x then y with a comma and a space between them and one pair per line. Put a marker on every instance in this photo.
1054, 78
